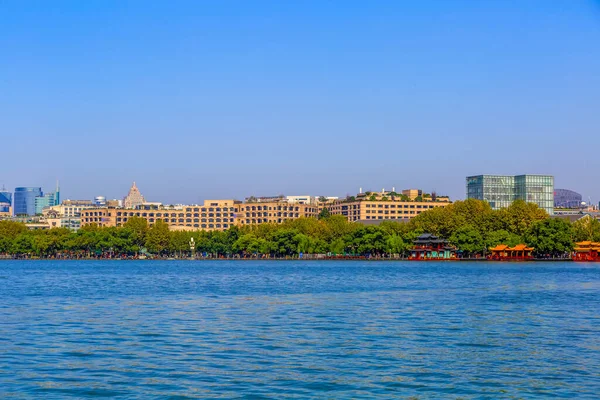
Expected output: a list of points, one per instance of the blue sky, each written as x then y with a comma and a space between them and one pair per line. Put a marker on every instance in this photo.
225, 99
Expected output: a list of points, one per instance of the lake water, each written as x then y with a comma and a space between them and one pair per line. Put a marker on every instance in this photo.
252, 329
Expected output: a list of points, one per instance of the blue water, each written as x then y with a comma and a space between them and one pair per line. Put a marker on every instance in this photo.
251, 329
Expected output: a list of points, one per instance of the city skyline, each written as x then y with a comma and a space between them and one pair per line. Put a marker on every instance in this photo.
232, 99
172, 198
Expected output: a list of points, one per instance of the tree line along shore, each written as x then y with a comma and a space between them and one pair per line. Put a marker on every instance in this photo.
471, 226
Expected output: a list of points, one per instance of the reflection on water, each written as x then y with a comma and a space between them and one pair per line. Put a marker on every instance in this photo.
299, 330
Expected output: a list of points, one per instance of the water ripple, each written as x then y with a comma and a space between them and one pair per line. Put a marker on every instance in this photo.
252, 330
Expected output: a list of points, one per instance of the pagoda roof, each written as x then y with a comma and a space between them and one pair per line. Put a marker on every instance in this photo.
519, 247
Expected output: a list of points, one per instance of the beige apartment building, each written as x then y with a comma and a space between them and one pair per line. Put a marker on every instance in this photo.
223, 214
385, 205
361, 210
273, 212
212, 215
69, 208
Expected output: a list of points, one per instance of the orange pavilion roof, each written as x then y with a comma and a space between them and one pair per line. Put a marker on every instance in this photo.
519, 247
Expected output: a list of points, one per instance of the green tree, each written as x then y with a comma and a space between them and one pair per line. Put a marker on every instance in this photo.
23, 244
324, 213
158, 237
501, 236
9, 231
395, 244
520, 216
139, 228
550, 237
468, 239
180, 242
337, 246
586, 228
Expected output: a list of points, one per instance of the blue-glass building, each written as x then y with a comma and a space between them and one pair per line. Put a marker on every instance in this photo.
5, 201
47, 200
501, 190
24, 200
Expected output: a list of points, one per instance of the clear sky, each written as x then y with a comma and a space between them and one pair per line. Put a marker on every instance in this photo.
225, 99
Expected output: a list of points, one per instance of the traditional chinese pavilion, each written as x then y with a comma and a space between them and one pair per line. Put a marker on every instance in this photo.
586, 251
503, 252
430, 247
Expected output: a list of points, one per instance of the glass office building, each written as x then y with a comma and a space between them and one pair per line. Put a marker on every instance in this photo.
47, 200
24, 200
501, 190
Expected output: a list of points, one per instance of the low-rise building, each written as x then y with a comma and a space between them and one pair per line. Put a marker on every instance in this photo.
212, 215
273, 212
384, 206
69, 208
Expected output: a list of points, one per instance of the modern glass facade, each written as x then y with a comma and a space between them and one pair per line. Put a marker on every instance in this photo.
5, 202
564, 198
47, 200
24, 201
501, 190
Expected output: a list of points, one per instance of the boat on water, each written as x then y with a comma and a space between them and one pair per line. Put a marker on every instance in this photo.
502, 252
428, 247
586, 251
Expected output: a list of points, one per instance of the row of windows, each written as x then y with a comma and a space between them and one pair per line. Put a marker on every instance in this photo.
263, 221
391, 212
399, 206
278, 208
182, 220
386, 217
204, 226
264, 214
210, 209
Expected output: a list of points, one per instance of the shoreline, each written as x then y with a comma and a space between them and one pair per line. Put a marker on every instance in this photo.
304, 260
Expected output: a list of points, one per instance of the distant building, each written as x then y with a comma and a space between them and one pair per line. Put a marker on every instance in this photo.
24, 200
412, 193
212, 215
370, 206
5, 203
46, 200
501, 190
82, 203
564, 198
100, 201
301, 199
114, 203
134, 198
69, 208
273, 212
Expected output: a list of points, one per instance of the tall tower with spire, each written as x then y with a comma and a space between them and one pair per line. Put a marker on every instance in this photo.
57, 194
134, 198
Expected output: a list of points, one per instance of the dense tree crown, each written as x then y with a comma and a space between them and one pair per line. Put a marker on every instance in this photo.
471, 225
